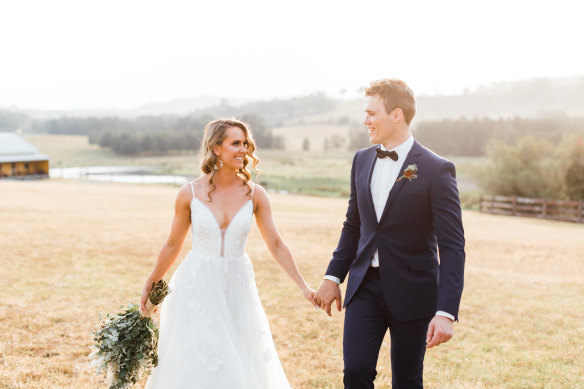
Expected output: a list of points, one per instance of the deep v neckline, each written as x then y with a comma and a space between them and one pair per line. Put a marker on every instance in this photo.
215, 218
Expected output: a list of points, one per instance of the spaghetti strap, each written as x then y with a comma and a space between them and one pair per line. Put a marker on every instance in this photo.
193, 190
252, 189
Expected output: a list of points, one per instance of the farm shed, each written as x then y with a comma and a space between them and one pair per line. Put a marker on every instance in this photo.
18, 158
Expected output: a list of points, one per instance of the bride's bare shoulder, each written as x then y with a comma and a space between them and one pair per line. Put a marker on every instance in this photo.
260, 194
185, 193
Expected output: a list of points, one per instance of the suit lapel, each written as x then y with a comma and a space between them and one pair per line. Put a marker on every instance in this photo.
372, 160
411, 159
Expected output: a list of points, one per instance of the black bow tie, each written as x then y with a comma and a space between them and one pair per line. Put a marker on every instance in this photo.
385, 153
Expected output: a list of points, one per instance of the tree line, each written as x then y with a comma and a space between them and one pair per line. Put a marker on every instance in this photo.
12, 120
470, 137
536, 167
149, 134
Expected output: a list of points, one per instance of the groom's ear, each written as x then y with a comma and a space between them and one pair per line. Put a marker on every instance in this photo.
397, 115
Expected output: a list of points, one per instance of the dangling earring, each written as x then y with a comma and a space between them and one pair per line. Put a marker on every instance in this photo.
220, 164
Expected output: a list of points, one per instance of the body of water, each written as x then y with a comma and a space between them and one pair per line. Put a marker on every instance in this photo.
125, 174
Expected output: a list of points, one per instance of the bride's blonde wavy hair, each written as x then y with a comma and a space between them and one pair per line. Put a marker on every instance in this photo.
214, 135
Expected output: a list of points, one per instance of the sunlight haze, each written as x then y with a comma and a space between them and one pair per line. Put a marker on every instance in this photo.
73, 55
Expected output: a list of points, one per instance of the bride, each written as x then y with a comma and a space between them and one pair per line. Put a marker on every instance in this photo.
213, 329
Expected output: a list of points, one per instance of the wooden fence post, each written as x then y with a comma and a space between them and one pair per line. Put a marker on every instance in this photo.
564, 210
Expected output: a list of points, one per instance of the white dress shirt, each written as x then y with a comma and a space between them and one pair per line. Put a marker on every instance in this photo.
385, 173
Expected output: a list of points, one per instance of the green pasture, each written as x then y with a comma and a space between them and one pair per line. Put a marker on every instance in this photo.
292, 170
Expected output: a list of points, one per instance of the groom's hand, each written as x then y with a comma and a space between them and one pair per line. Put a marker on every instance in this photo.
439, 331
328, 292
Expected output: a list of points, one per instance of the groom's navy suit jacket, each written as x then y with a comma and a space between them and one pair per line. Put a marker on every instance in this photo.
420, 216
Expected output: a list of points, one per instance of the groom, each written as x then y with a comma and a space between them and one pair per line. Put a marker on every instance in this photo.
403, 209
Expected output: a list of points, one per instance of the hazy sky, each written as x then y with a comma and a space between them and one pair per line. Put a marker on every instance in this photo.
106, 54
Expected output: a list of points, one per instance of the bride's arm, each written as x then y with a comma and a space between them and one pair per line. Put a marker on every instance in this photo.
276, 245
173, 245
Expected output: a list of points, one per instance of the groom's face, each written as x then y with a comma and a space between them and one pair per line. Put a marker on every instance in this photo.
379, 123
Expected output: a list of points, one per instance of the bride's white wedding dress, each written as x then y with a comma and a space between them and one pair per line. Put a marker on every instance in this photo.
214, 333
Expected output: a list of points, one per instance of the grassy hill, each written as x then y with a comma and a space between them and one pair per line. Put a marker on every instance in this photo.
71, 250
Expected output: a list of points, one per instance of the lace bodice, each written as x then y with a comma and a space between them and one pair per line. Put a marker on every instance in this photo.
208, 237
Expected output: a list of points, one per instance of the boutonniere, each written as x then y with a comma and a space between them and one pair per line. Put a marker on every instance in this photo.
411, 173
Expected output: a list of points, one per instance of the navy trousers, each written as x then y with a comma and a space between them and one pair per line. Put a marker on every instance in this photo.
367, 319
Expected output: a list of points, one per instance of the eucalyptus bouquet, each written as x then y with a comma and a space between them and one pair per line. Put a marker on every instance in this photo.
127, 343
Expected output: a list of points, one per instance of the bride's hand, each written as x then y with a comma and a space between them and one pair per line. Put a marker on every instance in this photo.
145, 293
308, 293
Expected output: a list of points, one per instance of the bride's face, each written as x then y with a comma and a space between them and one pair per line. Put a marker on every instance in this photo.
233, 150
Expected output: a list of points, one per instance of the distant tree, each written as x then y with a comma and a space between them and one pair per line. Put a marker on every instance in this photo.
106, 139
162, 143
469, 137
148, 142
574, 179
12, 120
571, 152
127, 144
526, 170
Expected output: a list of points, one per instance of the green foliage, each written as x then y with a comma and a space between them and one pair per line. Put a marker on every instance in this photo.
127, 343
127, 347
571, 152
524, 170
575, 180
154, 135
535, 168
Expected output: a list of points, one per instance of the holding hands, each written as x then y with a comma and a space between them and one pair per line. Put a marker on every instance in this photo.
308, 293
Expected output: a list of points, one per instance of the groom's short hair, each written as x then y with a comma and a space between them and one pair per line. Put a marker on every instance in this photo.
395, 94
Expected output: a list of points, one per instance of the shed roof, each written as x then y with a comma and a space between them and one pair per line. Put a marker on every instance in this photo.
15, 149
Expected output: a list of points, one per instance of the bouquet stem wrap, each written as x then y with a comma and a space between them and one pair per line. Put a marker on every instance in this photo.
150, 307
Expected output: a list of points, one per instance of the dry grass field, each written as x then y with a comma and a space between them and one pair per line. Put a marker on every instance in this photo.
70, 250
